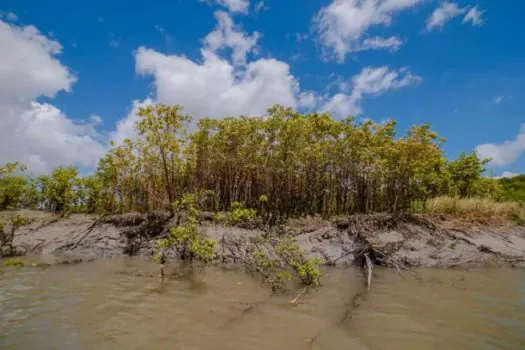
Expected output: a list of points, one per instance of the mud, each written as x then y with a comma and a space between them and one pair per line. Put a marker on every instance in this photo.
394, 241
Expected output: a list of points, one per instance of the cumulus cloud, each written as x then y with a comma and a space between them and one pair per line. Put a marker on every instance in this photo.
226, 36
369, 82
342, 24
218, 86
215, 87
29, 66
448, 11
38, 134
504, 153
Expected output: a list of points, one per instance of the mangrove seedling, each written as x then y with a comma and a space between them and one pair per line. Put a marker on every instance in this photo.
186, 238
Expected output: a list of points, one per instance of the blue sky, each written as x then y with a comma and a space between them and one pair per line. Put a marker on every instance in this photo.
457, 65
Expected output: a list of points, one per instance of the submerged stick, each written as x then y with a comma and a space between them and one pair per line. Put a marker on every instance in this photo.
369, 266
293, 302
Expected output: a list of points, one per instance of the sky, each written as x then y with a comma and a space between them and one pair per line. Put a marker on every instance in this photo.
73, 74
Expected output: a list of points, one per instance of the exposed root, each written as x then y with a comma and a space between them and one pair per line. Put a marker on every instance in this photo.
294, 301
89, 230
45, 224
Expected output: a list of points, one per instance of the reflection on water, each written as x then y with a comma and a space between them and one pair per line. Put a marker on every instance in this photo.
121, 304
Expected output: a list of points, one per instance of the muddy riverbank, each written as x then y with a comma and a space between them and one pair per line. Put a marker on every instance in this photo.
395, 241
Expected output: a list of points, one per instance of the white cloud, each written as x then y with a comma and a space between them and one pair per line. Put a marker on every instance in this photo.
308, 99
506, 175
505, 153
260, 6
375, 43
342, 24
498, 99
95, 119
240, 6
126, 127
38, 134
42, 137
369, 82
226, 35
29, 67
448, 11
216, 86
444, 13
474, 15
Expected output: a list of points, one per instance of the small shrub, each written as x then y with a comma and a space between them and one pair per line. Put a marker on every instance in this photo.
187, 238
270, 269
238, 216
307, 269
15, 262
6, 238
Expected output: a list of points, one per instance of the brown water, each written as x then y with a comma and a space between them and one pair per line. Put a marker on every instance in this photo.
116, 304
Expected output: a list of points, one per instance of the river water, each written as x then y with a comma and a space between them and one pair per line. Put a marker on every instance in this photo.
121, 304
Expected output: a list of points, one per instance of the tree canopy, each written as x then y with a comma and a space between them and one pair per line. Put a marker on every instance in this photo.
298, 163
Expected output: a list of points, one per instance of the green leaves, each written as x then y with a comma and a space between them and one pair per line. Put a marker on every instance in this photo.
466, 175
61, 190
187, 238
13, 185
279, 165
513, 188
307, 269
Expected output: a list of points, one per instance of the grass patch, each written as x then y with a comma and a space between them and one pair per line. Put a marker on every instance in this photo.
475, 208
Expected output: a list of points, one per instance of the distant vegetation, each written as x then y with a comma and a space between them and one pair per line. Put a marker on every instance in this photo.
282, 165
513, 189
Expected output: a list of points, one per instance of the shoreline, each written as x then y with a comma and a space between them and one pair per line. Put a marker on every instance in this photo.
407, 241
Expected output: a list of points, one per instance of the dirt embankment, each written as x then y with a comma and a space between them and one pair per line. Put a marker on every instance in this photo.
395, 241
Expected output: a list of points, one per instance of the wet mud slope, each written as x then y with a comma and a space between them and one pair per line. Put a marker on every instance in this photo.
395, 241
